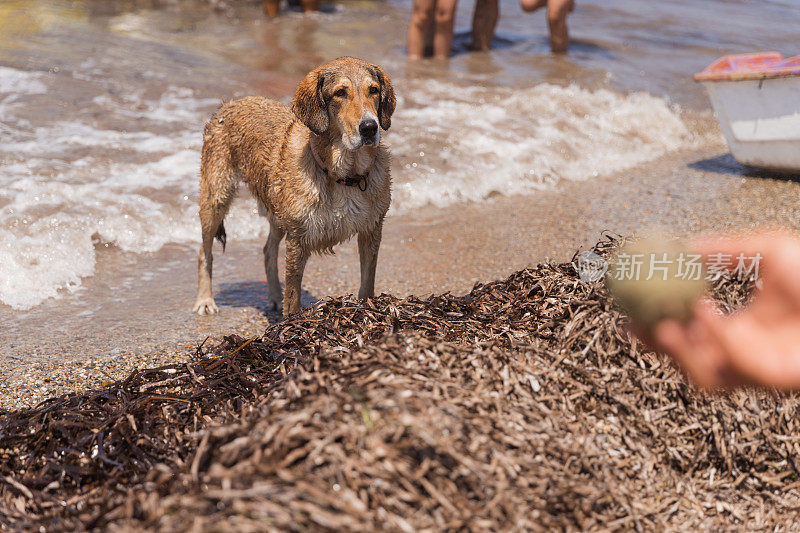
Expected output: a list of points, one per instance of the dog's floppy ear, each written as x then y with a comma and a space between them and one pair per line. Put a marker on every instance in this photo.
388, 101
309, 103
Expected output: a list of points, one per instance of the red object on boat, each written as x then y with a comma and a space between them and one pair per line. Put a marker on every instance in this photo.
750, 67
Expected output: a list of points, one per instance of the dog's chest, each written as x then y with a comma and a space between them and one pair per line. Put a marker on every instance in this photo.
340, 213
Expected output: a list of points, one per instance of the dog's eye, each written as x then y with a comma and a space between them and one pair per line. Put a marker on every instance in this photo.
341, 93
373, 90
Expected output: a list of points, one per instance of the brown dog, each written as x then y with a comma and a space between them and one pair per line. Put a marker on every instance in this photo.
318, 171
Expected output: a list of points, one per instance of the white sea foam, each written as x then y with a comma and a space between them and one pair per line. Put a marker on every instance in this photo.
458, 144
69, 186
14, 82
13, 85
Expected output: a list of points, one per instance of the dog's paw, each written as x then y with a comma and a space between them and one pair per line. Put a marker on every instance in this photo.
275, 301
205, 306
275, 304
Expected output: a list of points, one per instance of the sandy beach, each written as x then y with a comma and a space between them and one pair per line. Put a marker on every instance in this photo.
429, 251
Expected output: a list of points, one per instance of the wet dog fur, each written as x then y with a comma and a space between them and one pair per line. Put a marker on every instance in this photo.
290, 160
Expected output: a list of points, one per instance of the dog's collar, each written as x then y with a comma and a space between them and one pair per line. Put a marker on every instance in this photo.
357, 180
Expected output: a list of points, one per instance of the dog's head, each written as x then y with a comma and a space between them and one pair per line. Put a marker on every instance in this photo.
348, 97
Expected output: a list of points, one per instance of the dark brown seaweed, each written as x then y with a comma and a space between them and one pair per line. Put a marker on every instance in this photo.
523, 405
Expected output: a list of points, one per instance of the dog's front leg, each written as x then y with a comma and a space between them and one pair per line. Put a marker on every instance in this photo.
368, 244
296, 257
271, 264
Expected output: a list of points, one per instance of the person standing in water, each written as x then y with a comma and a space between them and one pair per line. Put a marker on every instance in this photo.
487, 12
272, 8
431, 28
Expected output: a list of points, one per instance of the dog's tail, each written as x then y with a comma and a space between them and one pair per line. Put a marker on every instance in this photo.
221, 236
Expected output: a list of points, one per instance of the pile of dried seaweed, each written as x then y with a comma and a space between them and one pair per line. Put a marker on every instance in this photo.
522, 405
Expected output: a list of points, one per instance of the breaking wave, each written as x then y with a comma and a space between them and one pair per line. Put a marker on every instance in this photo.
71, 185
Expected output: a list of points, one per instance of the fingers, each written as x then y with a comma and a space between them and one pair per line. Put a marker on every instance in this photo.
773, 255
695, 353
756, 353
759, 344
723, 351
766, 242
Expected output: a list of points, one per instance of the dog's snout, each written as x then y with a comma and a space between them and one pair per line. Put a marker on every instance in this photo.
368, 128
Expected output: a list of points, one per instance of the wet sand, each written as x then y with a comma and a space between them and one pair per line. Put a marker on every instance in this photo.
146, 320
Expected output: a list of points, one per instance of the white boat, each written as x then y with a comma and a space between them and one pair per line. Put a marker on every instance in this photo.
756, 98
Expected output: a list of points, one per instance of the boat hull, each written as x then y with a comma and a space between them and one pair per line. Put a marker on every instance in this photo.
760, 119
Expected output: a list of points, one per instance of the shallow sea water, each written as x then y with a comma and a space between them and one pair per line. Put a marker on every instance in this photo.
102, 104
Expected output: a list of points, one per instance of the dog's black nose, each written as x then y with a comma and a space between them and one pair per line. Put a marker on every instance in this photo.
368, 128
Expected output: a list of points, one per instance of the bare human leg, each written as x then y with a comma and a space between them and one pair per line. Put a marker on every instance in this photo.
530, 6
420, 26
444, 21
309, 6
271, 8
484, 21
557, 11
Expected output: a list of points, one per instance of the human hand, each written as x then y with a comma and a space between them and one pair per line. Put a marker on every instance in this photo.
757, 345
